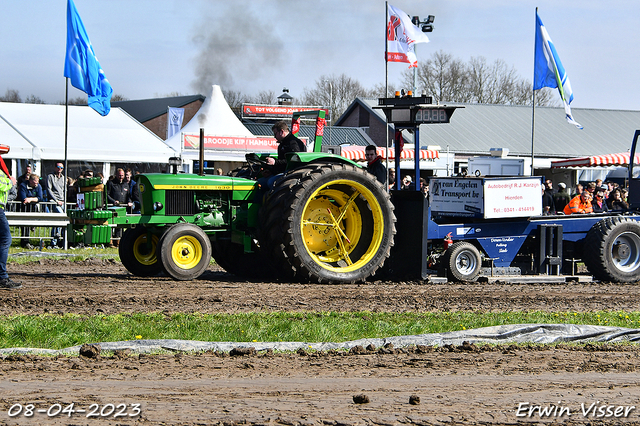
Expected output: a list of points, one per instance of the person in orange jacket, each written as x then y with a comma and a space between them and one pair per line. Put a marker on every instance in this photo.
579, 204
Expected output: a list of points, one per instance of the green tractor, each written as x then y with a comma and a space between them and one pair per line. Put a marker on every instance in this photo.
326, 220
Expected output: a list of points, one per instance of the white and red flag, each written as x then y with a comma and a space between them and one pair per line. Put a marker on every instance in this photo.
402, 35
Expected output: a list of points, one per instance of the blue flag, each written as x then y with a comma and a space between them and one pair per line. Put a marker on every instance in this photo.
174, 121
548, 70
82, 66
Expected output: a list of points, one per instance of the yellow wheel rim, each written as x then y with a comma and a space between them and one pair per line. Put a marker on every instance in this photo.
144, 255
186, 252
342, 226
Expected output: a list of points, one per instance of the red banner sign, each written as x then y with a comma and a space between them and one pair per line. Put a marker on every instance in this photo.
232, 143
275, 111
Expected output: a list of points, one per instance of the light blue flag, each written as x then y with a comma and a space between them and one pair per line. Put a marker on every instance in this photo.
82, 66
174, 121
548, 70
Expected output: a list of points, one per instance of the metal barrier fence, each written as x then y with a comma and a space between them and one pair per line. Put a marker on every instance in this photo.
35, 221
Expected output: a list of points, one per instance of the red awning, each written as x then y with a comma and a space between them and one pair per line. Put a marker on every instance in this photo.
621, 159
356, 153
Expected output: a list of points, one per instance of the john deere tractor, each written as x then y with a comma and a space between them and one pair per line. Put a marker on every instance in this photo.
325, 220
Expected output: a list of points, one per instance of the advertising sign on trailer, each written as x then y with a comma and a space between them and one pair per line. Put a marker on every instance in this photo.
486, 197
512, 197
456, 197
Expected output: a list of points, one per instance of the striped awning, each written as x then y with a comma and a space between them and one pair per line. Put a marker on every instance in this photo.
356, 153
621, 159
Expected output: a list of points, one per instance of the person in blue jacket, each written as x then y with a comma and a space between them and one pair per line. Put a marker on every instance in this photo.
30, 194
6, 183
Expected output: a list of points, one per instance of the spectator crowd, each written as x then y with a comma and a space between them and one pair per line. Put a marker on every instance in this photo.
30, 193
594, 197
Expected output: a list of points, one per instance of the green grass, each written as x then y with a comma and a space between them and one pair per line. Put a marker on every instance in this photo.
60, 331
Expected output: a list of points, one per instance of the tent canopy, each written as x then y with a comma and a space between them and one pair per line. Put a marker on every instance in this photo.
36, 131
215, 117
356, 153
620, 159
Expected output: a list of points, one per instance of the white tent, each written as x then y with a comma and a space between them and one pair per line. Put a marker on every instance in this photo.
36, 132
21, 147
217, 119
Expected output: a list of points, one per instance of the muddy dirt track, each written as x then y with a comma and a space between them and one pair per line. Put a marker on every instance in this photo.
455, 385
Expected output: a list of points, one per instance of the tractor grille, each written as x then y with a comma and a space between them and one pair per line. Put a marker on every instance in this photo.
179, 203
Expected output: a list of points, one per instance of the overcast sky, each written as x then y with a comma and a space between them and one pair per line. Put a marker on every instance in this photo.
151, 48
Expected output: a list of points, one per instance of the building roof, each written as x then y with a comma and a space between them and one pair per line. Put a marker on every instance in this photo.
147, 109
333, 136
477, 128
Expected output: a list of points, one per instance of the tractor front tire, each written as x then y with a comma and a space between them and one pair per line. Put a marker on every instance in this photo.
184, 251
334, 225
137, 250
612, 250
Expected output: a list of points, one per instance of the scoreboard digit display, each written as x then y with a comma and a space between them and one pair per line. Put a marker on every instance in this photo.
409, 112
431, 116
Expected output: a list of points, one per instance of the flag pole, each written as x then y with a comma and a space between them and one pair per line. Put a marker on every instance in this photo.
533, 98
66, 131
386, 88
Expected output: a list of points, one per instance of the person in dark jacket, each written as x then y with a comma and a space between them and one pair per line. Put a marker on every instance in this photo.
617, 203
374, 164
548, 206
599, 204
25, 176
287, 143
561, 198
118, 194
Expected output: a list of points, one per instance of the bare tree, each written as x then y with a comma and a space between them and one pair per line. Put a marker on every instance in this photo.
118, 98
380, 91
11, 95
448, 79
336, 92
80, 100
235, 98
33, 99
265, 97
170, 95
442, 77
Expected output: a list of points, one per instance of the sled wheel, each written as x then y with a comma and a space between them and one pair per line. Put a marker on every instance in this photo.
184, 251
337, 225
463, 262
138, 252
612, 250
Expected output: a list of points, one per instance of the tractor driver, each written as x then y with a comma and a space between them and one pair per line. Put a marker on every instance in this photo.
287, 142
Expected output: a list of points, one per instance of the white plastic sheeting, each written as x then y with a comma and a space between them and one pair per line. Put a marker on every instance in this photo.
502, 334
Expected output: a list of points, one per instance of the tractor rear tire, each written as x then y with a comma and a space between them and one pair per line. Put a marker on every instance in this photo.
335, 225
463, 261
612, 250
137, 255
184, 251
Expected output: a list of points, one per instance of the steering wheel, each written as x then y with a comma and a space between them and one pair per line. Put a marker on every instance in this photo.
256, 163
